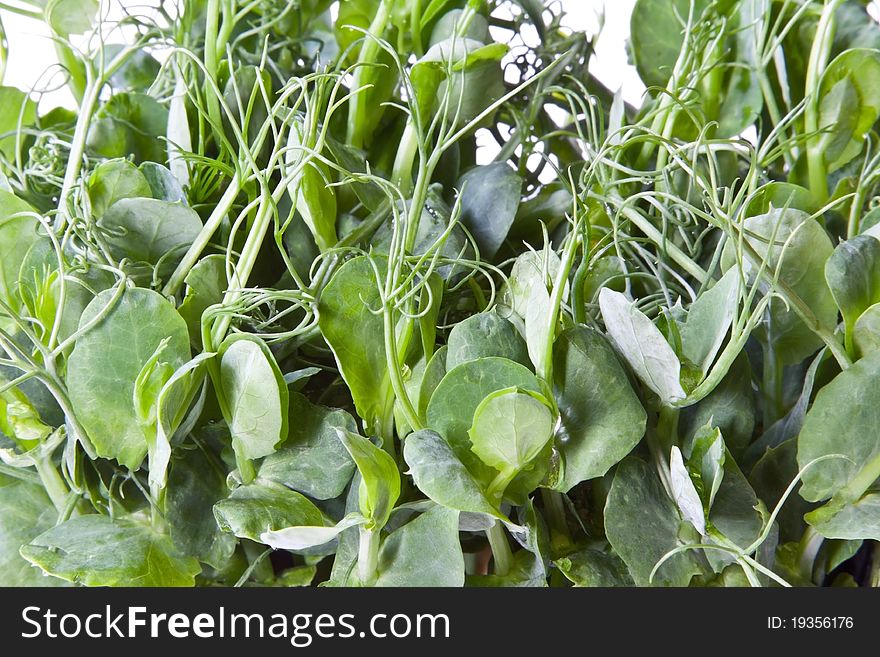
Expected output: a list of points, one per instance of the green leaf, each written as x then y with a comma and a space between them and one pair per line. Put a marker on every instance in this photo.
593, 568
302, 537
129, 124
18, 234
866, 332
643, 525
510, 429
781, 195
349, 300
67, 17
602, 418
256, 395
139, 70
484, 335
709, 319
308, 190
25, 512
657, 34
730, 407
642, 345
706, 460
17, 111
196, 482
440, 475
684, 493
114, 180
842, 420
853, 275
799, 252
454, 403
163, 185
95, 550
849, 104
859, 520
107, 359
147, 230
313, 460
380, 479
205, 284
424, 552
489, 201
263, 506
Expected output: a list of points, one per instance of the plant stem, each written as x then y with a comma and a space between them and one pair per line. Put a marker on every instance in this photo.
819, 54
203, 238
52, 482
500, 549
874, 580
808, 548
368, 556
554, 506
369, 50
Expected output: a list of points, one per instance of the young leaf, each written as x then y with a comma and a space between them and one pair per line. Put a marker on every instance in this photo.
114, 180
684, 493
454, 403
708, 321
256, 395
380, 479
349, 300
642, 345
510, 429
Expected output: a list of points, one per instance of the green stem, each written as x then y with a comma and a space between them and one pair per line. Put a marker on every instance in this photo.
500, 549
874, 580
859, 484
218, 214
77, 150
819, 54
212, 30
554, 506
368, 556
52, 482
369, 51
401, 174
772, 376
808, 549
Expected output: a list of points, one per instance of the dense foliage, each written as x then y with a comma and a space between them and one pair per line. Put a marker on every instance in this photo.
265, 319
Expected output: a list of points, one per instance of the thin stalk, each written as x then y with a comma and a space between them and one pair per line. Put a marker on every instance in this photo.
500, 549
52, 482
368, 555
204, 237
819, 54
808, 549
554, 506
369, 51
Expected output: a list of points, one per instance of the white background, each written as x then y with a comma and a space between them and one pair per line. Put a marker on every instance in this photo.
31, 53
